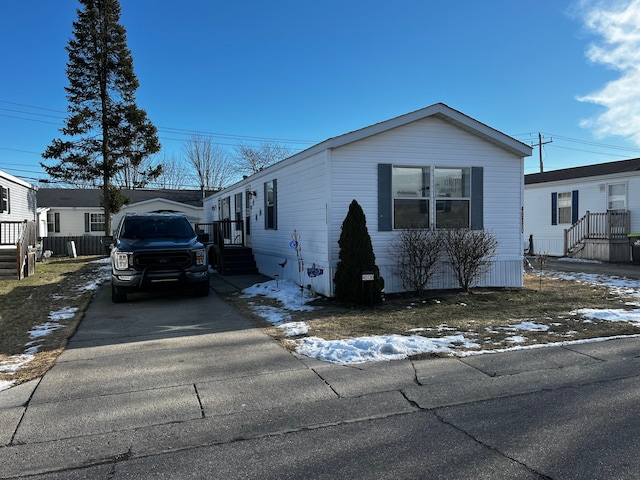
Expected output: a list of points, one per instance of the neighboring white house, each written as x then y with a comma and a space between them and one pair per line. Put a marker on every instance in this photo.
17, 199
79, 212
601, 202
434, 167
18, 224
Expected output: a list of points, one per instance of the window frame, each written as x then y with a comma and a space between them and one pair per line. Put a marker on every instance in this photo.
623, 195
5, 199
271, 204
403, 198
444, 203
564, 212
53, 222
93, 222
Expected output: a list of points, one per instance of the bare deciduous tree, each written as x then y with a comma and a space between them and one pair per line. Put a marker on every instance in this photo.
417, 252
138, 174
249, 160
173, 174
211, 163
470, 253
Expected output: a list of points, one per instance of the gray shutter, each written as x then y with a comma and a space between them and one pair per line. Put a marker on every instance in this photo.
554, 208
87, 226
56, 222
477, 198
384, 198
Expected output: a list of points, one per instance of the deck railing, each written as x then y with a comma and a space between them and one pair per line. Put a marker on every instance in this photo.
223, 232
10, 232
22, 236
597, 226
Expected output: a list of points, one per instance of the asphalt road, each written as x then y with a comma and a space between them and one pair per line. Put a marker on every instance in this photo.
168, 386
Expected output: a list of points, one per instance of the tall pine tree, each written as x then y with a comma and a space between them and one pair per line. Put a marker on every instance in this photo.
105, 131
356, 257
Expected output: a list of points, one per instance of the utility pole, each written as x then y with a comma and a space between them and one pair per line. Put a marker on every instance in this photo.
540, 144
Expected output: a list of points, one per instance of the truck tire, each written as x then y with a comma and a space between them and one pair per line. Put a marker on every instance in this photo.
117, 296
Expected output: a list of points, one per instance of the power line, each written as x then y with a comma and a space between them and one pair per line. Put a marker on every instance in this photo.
174, 130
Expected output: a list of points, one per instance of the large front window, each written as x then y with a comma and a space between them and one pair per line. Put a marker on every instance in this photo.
453, 197
411, 197
416, 190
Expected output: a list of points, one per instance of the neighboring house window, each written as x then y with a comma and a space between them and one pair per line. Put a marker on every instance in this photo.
564, 207
407, 197
617, 196
453, 197
53, 222
5, 204
411, 197
271, 205
94, 222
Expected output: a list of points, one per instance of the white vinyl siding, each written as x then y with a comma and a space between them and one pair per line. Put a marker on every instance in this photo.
431, 142
314, 191
20, 197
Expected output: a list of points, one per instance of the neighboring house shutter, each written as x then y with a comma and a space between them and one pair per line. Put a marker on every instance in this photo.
554, 208
87, 226
56, 222
3, 202
477, 198
384, 198
574, 206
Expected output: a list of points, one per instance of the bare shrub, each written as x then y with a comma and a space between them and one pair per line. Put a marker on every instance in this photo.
470, 253
417, 252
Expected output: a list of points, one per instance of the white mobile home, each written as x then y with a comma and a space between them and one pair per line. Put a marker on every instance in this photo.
585, 212
17, 199
18, 217
435, 167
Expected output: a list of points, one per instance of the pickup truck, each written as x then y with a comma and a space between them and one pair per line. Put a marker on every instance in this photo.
154, 251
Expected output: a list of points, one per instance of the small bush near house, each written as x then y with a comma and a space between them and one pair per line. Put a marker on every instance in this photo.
356, 256
470, 253
418, 251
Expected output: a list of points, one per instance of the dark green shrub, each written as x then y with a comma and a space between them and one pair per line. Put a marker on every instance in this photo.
356, 256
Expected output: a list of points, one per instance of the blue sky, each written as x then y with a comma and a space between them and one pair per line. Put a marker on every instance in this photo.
300, 72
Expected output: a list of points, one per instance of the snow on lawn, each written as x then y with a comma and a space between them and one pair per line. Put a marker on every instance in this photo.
88, 282
393, 347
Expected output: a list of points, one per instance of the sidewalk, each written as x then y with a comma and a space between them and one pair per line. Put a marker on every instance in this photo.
168, 374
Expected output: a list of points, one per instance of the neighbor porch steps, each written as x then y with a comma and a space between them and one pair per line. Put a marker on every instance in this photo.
9, 263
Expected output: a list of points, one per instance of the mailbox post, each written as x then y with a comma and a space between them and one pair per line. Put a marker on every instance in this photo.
367, 278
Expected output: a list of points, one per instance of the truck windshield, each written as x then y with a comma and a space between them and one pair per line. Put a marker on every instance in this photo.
146, 228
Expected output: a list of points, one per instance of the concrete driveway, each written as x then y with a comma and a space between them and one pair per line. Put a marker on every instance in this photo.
168, 386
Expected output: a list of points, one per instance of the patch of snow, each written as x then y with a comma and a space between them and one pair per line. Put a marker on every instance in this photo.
610, 315
377, 348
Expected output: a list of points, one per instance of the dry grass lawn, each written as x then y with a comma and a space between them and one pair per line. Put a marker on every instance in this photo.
483, 316
26, 306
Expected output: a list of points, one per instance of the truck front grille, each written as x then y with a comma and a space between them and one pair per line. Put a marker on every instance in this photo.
158, 259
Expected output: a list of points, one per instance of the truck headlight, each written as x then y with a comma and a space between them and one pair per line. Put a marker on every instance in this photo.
121, 261
201, 257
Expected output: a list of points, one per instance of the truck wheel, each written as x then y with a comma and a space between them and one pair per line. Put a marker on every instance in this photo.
201, 289
117, 296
